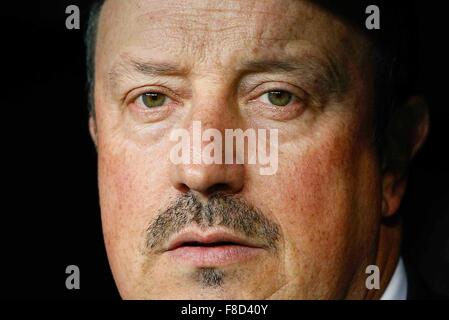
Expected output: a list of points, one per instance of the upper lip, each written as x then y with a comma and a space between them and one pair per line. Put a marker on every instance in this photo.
208, 237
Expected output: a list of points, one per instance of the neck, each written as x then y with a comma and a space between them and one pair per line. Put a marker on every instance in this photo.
386, 258
388, 253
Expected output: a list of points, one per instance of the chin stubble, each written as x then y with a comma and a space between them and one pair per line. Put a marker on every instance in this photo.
209, 277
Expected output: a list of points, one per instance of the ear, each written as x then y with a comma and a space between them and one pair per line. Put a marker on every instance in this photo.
406, 134
93, 129
393, 189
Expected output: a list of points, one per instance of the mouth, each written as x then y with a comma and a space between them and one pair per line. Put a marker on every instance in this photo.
211, 249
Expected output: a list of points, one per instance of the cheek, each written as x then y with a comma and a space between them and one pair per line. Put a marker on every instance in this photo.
130, 184
330, 190
326, 197
131, 192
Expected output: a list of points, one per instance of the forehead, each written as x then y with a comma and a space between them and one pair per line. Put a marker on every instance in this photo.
219, 32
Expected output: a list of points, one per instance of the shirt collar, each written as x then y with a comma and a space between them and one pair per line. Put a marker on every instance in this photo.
397, 288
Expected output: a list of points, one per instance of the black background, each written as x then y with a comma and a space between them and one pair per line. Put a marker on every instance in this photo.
50, 216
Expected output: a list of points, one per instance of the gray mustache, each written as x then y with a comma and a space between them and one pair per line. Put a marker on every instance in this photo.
223, 210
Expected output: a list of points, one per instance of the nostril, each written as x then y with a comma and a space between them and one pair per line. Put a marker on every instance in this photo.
218, 187
182, 187
207, 179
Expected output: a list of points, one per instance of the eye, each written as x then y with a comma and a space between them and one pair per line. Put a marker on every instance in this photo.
154, 99
278, 98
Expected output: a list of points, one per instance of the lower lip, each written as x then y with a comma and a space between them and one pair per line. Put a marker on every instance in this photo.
213, 256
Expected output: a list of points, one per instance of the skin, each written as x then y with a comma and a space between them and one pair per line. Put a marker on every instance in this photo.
328, 197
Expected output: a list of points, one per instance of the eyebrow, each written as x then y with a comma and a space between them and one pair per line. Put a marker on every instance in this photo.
157, 69
129, 66
328, 76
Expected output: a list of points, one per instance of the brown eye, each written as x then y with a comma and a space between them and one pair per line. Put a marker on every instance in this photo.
153, 99
279, 98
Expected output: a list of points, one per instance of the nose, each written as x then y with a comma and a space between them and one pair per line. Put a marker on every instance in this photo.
206, 178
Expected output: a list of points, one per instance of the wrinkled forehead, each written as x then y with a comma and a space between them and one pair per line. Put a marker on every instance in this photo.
219, 31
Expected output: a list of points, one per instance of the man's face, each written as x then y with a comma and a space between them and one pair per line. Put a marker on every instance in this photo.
226, 231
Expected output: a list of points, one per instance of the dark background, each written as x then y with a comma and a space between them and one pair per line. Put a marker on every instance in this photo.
50, 217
